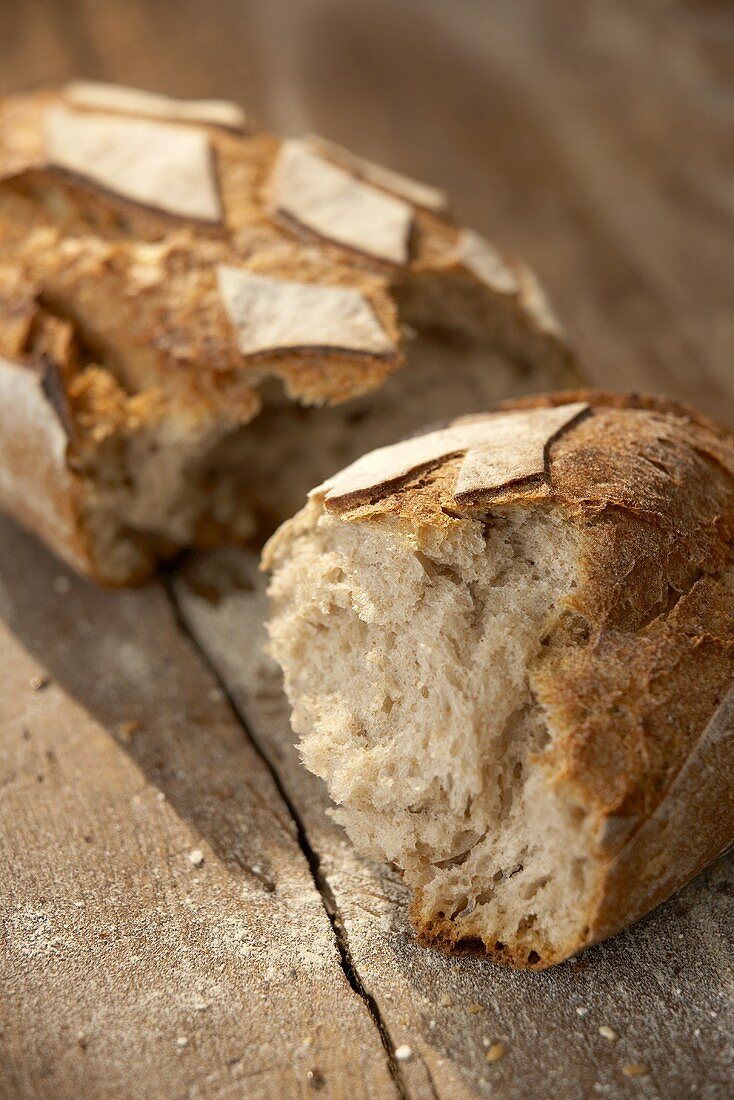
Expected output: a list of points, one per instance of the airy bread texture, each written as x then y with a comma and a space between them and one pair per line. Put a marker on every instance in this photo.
490, 653
217, 319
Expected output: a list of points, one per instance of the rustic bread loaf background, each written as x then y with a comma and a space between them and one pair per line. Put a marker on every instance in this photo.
509, 647
168, 275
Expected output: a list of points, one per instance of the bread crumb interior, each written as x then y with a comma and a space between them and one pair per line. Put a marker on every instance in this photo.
192, 476
408, 659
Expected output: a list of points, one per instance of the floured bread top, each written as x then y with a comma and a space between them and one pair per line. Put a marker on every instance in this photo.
497, 449
95, 96
333, 203
588, 448
155, 164
195, 255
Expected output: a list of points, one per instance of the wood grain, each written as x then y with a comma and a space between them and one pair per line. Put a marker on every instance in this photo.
127, 970
595, 138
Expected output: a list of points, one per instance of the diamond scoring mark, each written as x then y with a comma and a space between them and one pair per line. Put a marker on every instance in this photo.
271, 315
413, 191
98, 96
500, 448
483, 260
514, 449
155, 164
331, 202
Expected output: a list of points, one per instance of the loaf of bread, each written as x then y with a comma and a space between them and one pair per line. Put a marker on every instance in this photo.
509, 648
198, 321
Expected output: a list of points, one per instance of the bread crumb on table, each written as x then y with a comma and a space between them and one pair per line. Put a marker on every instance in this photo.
635, 1069
608, 1032
473, 1009
403, 1053
38, 683
496, 1052
196, 857
128, 728
444, 1001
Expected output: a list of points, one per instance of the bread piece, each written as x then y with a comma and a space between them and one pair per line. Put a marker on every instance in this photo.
509, 648
225, 318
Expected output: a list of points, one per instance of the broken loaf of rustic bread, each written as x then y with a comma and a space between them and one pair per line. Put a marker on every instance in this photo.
199, 321
509, 648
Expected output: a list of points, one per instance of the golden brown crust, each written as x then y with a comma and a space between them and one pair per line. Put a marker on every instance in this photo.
638, 667
119, 212
67, 232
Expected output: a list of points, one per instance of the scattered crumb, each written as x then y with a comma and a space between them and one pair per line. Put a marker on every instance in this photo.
696, 1032
128, 729
181, 1042
431, 1024
607, 1032
474, 1008
61, 585
38, 683
444, 1001
582, 1011
161, 796
308, 1041
403, 1053
496, 1052
315, 1078
82, 1040
635, 1069
201, 1006
196, 857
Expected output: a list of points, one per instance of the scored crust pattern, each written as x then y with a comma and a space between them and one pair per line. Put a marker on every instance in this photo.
323, 214
152, 163
499, 448
331, 202
95, 96
414, 191
273, 314
182, 258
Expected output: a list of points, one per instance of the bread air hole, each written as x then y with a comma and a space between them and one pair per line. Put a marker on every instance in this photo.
451, 632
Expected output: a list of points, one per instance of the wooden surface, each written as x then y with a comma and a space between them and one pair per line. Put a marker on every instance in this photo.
596, 139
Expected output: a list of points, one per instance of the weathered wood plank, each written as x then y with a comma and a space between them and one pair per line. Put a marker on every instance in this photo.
126, 969
665, 987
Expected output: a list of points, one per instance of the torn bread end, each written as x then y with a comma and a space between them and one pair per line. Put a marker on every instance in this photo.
491, 640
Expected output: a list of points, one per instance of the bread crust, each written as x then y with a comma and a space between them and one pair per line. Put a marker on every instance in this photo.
109, 226
636, 671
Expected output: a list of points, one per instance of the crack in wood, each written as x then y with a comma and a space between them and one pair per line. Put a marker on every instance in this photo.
310, 854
